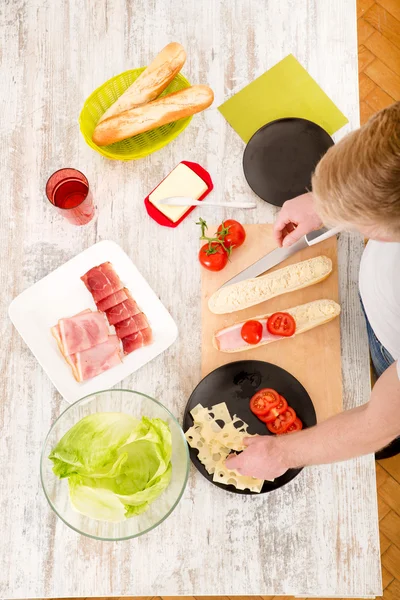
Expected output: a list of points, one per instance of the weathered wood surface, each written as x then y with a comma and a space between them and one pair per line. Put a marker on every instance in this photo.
318, 535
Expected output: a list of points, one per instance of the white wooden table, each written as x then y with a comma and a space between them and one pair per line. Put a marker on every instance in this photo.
319, 534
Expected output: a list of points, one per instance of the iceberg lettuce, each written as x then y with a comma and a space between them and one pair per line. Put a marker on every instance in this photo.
116, 465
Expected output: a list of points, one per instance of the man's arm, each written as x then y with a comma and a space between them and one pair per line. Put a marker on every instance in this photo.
351, 433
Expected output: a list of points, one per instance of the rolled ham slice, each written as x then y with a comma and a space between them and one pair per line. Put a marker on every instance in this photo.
82, 332
55, 332
122, 311
102, 281
230, 338
131, 325
113, 300
100, 358
95, 360
137, 340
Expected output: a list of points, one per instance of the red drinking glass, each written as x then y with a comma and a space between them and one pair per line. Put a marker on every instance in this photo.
68, 190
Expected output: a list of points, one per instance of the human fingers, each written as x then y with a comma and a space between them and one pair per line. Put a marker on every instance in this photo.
249, 441
295, 235
233, 461
280, 226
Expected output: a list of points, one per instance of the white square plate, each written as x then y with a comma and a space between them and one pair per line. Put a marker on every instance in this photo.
63, 294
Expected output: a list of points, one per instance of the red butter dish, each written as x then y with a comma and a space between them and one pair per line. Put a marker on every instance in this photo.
162, 219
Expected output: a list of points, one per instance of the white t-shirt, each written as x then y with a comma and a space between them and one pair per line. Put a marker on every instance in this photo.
380, 293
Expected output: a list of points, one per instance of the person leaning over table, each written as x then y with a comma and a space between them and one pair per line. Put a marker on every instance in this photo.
356, 186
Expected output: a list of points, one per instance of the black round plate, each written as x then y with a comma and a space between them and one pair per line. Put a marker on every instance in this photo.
280, 158
235, 383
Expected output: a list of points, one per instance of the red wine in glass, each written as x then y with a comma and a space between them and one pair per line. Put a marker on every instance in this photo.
68, 190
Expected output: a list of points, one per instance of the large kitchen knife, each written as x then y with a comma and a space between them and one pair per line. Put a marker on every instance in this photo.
280, 254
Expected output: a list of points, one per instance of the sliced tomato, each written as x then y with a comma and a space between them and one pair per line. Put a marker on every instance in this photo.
282, 405
288, 417
297, 425
262, 402
252, 332
275, 412
281, 323
282, 421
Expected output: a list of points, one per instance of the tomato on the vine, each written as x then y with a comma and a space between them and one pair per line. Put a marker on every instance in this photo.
232, 233
213, 256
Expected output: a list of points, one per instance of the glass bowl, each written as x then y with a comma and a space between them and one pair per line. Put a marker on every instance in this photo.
56, 490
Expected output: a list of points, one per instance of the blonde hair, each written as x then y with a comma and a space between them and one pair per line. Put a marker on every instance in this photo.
357, 182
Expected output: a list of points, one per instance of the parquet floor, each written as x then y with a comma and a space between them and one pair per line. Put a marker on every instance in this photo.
379, 78
378, 55
379, 74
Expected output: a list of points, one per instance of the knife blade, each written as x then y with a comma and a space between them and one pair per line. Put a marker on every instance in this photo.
280, 254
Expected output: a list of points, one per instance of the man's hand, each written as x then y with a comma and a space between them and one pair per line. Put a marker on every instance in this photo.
296, 218
262, 458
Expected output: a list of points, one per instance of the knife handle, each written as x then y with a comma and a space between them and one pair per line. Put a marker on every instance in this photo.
320, 235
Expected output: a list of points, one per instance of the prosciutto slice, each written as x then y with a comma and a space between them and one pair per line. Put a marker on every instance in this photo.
131, 325
122, 311
113, 300
137, 340
102, 281
100, 358
83, 331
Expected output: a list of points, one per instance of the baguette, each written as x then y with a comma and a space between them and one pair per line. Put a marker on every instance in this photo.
307, 316
151, 82
253, 291
159, 112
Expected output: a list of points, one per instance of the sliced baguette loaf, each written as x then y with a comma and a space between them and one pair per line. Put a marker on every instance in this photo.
253, 291
307, 316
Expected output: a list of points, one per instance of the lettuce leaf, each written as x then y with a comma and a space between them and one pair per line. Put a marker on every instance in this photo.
98, 503
91, 446
116, 465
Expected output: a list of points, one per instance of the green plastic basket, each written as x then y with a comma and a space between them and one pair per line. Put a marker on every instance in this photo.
137, 146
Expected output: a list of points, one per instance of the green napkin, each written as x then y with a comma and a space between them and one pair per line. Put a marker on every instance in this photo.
286, 90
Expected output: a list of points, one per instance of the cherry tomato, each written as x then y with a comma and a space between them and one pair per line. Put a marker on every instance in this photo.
232, 233
263, 401
297, 425
252, 332
282, 421
213, 258
281, 323
275, 412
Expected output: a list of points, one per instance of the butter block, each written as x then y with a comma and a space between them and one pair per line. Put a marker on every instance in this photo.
182, 181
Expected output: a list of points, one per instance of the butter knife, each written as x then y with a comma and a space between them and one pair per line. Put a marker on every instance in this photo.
186, 201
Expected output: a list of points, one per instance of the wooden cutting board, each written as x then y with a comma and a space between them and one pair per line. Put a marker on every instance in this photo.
312, 357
